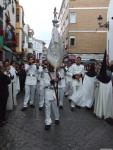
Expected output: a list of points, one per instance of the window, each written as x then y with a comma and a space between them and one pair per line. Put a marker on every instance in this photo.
72, 41
30, 45
17, 15
72, 17
17, 38
17, 18
66, 21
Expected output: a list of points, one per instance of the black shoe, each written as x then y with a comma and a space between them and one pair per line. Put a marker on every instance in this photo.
66, 95
40, 108
2, 123
87, 108
24, 108
32, 106
72, 108
57, 122
69, 100
47, 127
61, 107
109, 121
78, 107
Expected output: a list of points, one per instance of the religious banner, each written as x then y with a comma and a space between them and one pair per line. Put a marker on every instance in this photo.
56, 49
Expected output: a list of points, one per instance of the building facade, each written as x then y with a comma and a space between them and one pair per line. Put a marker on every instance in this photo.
30, 41
8, 23
1, 31
26, 29
110, 32
79, 28
38, 48
19, 29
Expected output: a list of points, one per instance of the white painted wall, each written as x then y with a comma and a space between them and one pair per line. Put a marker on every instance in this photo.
26, 28
1, 3
38, 47
110, 32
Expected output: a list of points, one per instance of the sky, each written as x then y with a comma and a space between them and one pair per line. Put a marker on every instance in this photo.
39, 15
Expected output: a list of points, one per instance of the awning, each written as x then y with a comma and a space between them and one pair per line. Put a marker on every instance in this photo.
7, 49
1, 40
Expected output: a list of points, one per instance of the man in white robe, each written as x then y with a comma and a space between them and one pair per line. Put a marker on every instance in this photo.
61, 86
50, 98
15, 83
14, 86
30, 83
85, 95
40, 86
76, 71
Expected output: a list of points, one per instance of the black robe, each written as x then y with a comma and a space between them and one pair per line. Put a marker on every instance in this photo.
4, 81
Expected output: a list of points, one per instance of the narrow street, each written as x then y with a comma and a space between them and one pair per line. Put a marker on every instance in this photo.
78, 130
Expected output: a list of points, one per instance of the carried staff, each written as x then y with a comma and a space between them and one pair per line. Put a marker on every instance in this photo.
56, 50
54, 56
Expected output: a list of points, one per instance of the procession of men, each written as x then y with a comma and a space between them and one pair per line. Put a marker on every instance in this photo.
51, 81
83, 88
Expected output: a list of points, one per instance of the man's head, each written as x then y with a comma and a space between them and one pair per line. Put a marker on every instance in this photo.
78, 60
31, 60
13, 63
6, 63
50, 68
62, 65
1, 67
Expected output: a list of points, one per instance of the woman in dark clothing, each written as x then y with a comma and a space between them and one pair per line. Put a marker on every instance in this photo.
4, 81
22, 77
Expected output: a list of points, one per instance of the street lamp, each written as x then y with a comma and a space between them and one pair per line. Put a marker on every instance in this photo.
101, 24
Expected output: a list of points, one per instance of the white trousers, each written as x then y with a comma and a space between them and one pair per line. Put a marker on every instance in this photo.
51, 107
75, 89
29, 94
61, 95
67, 87
41, 94
41, 97
14, 93
37, 89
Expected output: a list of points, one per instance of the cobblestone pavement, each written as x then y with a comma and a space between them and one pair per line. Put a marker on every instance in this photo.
78, 130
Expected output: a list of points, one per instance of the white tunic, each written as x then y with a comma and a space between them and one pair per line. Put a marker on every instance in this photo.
41, 77
49, 93
15, 86
84, 97
10, 97
62, 82
31, 77
75, 69
15, 81
104, 101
